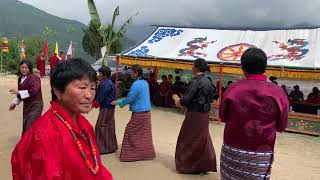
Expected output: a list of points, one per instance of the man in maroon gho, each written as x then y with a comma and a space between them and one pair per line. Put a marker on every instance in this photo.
253, 111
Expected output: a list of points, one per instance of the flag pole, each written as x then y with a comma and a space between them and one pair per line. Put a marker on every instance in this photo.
220, 91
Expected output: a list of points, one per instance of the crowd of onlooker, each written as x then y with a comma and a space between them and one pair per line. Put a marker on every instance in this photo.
296, 95
161, 92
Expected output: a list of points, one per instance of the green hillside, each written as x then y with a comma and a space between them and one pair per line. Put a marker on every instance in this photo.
21, 20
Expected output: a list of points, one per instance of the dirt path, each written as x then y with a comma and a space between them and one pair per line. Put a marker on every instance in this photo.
297, 156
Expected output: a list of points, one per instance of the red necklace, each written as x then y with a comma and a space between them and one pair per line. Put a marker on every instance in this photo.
79, 145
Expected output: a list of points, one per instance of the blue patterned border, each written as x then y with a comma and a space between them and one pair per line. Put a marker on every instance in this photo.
142, 52
164, 32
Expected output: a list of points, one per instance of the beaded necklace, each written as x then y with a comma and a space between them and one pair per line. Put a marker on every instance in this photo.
95, 169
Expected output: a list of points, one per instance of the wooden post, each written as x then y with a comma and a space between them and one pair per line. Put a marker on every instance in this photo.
155, 71
220, 91
117, 75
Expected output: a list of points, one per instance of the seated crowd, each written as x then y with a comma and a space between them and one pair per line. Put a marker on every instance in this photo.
297, 96
161, 93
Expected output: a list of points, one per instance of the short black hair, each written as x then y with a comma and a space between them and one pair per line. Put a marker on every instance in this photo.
152, 75
178, 78
105, 71
170, 76
137, 69
315, 90
254, 61
201, 64
272, 78
230, 82
164, 77
61, 52
28, 63
67, 71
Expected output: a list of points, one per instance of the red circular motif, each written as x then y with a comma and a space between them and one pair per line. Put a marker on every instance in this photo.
233, 52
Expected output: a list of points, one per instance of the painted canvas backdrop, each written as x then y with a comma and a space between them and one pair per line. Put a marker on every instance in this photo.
285, 48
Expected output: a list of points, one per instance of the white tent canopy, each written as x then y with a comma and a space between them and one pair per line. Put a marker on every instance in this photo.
285, 48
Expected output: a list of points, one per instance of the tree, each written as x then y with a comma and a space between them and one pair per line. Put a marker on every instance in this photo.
34, 44
107, 32
92, 41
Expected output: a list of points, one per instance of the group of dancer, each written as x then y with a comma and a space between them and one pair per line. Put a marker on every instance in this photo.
62, 144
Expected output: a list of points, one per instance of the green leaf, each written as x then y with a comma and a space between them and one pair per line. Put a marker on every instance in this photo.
94, 14
123, 28
117, 11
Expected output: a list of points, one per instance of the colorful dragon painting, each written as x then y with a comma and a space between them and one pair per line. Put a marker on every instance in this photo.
195, 48
294, 49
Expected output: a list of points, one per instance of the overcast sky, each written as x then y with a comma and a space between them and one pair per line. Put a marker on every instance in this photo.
248, 13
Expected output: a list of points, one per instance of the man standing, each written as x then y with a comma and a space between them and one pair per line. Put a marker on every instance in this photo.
53, 62
41, 64
253, 111
62, 56
296, 94
137, 143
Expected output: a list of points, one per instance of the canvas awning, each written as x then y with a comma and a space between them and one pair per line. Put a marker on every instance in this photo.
291, 53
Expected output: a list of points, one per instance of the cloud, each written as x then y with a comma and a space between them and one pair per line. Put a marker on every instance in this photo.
238, 13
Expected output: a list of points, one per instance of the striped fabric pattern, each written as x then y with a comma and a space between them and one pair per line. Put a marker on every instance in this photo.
105, 131
137, 143
237, 164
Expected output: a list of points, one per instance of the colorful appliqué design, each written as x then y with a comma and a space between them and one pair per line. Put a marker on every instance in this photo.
195, 48
302, 125
233, 52
142, 52
164, 32
293, 49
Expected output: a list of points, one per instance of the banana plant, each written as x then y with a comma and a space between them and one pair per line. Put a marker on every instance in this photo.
107, 33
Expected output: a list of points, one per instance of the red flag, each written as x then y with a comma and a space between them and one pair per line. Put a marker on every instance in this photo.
45, 48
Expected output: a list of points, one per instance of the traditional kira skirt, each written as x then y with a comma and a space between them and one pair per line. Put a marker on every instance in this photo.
194, 152
137, 143
237, 164
31, 112
105, 131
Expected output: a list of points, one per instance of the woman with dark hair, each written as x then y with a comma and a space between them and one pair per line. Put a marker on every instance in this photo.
314, 97
61, 144
178, 87
163, 97
253, 111
29, 91
137, 143
194, 151
105, 127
